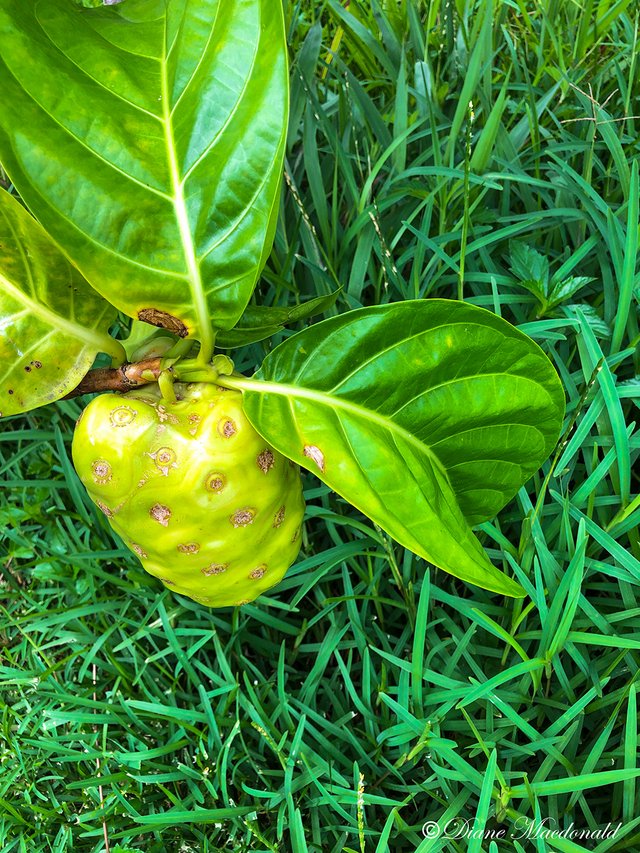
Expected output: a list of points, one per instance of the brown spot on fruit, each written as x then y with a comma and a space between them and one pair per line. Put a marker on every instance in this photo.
105, 509
164, 415
265, 461
138, 550
161, 514
102, 472
122, 416
215, 569
189, 548
279, 517
227, 428
315, 454
165, 458
164, 320
215, 482
258, 572
194, 420
243, 517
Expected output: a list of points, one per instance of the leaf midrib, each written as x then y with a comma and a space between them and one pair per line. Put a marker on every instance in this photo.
295, 392
182, 218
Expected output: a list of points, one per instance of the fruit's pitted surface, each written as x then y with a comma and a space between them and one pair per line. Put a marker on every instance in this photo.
208, 506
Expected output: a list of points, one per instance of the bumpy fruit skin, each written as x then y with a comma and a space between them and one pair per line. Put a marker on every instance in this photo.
208, 506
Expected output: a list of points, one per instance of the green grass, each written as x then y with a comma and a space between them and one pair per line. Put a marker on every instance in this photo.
369, 693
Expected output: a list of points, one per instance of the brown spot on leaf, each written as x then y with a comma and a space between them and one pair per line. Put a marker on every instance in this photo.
161, 514
37, 364
10, 391
243, 517
279, 517
189, 548
27, 368
168, 581
315, 454
265, 461
215, 569
164, 320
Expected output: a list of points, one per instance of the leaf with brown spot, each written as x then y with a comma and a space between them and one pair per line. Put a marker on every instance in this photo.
427, 415
52, 323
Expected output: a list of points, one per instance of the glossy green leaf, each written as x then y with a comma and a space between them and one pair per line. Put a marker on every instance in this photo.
260, 322
426, 415
148, 139
52, 323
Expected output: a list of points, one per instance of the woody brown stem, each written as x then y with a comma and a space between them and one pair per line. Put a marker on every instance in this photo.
123, 378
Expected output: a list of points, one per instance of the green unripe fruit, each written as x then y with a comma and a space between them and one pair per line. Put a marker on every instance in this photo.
208, 506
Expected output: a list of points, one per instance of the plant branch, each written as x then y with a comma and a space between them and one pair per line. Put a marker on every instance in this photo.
123, 378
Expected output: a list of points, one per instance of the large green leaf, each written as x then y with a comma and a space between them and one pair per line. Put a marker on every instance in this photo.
52, 324
426, 415
148, 139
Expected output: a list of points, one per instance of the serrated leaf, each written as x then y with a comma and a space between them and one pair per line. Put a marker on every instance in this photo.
564, 289
148, 139
52, 324
530, 267
428, 416
260, 322
597, 325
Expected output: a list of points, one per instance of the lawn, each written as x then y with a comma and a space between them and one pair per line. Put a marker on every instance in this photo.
485, 151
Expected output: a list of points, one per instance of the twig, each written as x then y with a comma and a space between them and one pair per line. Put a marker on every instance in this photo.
123, 378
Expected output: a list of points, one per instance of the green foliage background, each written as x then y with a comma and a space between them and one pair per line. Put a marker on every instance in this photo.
445, 149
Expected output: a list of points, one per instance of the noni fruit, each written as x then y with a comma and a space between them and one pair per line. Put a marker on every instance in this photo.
208, 506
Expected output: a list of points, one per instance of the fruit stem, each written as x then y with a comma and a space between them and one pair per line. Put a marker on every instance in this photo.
165, 381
